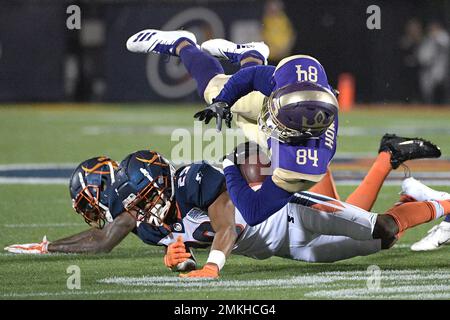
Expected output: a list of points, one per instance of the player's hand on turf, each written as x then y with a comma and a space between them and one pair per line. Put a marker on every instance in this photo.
176, 253
209, 270
29, 248
220, 111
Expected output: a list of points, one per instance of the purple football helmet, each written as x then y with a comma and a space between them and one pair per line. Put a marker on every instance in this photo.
298, 111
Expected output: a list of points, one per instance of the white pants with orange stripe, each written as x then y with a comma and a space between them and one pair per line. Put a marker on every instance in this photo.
312, 228
326, 230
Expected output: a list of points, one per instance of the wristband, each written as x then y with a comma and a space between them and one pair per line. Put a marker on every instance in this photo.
227, 163
217, 257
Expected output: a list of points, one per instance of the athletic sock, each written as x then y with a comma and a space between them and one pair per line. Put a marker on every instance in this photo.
446, 209
201, 66
326, 186
366, 193
411, 214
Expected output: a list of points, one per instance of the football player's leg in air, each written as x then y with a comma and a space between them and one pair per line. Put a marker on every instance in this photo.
393, 151
205, 69
356, 231
317, 236
300, 150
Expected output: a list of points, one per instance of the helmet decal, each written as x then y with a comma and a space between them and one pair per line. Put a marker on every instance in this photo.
89, 185
145, 184
298, 111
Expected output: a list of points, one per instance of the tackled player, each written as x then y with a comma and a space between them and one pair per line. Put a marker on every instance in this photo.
191, 208
287, 109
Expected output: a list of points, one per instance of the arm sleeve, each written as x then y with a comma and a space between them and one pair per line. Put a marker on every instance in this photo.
254, 206
257, 78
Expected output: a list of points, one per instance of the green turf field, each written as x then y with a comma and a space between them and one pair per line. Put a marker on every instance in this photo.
134, 270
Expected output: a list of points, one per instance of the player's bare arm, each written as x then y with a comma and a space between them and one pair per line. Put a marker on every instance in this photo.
93, 240
221, 213
96, 240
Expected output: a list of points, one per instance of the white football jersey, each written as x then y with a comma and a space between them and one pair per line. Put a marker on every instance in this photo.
197, 231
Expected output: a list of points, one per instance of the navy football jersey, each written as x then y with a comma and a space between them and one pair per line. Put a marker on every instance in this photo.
197, 186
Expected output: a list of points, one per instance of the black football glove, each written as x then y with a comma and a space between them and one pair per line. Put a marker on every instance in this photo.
242, 152
220, 111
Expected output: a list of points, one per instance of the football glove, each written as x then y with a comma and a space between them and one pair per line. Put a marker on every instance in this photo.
220, 111
210, 270
242, 152
176, 254
30, 248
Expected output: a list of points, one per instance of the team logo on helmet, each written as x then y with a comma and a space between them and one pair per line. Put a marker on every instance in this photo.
145, 184
320, 121
89, 185
298, 111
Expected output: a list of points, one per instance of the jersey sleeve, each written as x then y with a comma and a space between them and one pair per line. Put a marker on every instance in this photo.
254, 206
200, 184
256, 78
150, 234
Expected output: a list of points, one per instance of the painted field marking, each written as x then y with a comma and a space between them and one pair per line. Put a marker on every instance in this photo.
400, 129
399, 284
308, 279
44, 225
97, 292
36, 166
159, 130
208, 283
33, 181
402, 284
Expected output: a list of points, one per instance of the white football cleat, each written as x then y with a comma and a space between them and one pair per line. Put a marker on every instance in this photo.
224, 49
418, 191
437, 236
157, 41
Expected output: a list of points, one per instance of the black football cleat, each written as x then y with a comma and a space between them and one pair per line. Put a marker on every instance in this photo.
403, 149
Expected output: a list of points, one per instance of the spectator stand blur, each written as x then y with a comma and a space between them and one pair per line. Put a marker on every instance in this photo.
433, 55
277, 30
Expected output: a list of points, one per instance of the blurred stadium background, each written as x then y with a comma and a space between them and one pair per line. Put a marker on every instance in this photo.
69, 94
42, 60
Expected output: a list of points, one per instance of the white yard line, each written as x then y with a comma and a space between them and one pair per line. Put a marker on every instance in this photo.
203, 283
36, 166
33, 181
43, 225
346, 182
94, 293
399, 284
402, 291
321, 278
431, 182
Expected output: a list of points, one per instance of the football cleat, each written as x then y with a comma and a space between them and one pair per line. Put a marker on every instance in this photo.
159, 42
403, 149
416, 190
224, 49
437, 236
